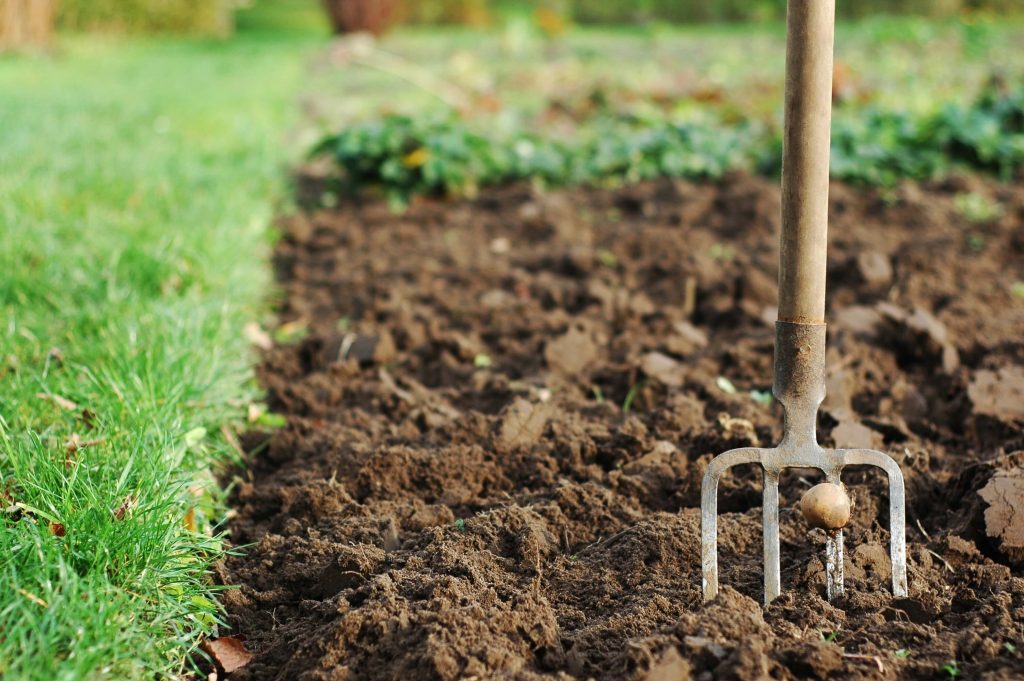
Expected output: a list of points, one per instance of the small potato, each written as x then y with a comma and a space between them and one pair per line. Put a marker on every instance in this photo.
826, 506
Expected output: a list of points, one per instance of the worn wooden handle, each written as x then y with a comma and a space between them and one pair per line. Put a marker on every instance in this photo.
805, 157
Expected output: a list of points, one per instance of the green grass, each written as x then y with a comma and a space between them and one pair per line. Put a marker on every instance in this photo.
899, 63
139, 180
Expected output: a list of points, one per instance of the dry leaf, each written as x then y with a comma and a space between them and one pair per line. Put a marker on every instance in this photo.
254, 412
75, 443
232, 440
62, 402
190, 520
126, 507
8, 505
228, 652
57, 529
257, 336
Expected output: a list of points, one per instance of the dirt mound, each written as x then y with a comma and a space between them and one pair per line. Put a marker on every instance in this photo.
498, 424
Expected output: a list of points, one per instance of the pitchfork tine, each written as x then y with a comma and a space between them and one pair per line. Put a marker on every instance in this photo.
799, 382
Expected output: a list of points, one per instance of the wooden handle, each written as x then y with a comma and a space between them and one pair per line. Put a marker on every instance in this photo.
805, 156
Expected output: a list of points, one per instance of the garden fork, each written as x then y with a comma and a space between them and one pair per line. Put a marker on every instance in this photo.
799, 381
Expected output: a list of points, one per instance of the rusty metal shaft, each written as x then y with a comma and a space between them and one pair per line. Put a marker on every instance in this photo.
810, 35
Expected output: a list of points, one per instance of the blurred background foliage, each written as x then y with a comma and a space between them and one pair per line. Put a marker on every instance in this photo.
217, 17
639, 12
213, 17
643, 11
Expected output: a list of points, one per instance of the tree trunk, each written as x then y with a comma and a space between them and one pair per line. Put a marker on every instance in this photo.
26, 24
350, 16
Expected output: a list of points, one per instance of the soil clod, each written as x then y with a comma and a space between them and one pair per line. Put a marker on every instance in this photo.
499, 477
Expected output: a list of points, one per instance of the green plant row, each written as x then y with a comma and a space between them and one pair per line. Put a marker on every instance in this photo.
880, 147
448, 156
211, 17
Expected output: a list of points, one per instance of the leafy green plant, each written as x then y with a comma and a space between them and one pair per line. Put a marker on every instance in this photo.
976, 207
951, 669
447, 156
405, 156
627, 404
177, 16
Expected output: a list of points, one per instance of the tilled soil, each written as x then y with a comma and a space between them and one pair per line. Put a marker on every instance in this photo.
500, 416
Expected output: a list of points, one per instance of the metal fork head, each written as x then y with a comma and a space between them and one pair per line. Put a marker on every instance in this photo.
799, 384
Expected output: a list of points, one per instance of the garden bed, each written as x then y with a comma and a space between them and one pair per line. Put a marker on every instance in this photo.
498, 421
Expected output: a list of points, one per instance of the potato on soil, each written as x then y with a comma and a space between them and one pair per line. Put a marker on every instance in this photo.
826, 506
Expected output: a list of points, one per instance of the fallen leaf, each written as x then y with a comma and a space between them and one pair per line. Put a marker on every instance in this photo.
232, 440
62, 402
32, 597
416, 158
57, 529
88, 417
126, 507
257, 336
9, 505
228, 652
75, 443
725, 385
194, 436
254, 412
291, 332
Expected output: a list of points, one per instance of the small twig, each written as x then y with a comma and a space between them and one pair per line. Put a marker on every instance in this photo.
871, 658
364, 52
606, 541
232, 440
390, 384
926, 535
943, 560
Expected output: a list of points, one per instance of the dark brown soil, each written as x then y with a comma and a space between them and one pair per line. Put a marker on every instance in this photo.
486, 473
